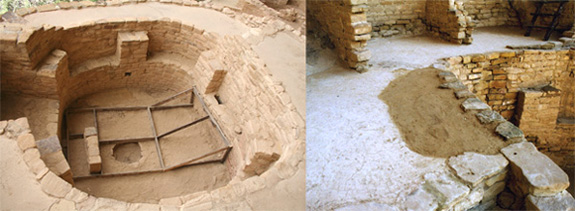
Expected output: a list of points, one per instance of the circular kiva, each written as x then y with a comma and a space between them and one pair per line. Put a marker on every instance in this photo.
259, 134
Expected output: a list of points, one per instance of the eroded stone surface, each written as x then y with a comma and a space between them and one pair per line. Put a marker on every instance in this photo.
447, 76
545, 178
457, 85
560, 201
63, 205
464, 94
55, 186
474, 104
471, 200
49, 145
26, 141
473, 167
509, 131
368, 206
420, 200
445, 189
90, 131
76, 195
489, 116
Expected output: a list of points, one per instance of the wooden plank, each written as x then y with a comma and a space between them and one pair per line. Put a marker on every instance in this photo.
173, 97
171, 106
190, 161
183, 126
119, 174
226, 155
128, 108
158, 150
122, 140
226, 142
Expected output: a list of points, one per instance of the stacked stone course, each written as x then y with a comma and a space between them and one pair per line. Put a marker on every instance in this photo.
175, 53
491, 12
396, 17
346, 24
448, 20
506, 81
535, 181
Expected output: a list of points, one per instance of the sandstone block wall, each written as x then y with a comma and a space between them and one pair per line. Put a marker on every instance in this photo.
396, 17
526, 7
345, 21
498, 78
491, 12
258, 132
448, 20
270, 138
533, 179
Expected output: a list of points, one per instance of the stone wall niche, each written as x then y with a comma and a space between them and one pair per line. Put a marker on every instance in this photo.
537, 110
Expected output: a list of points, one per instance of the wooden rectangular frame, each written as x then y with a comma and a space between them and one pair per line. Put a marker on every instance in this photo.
156, 138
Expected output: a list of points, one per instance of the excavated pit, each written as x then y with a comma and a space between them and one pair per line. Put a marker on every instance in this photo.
161, 102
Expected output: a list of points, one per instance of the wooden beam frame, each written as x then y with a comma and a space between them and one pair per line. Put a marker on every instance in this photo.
156, 138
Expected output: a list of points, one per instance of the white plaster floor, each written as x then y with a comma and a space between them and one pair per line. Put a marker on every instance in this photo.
356, 157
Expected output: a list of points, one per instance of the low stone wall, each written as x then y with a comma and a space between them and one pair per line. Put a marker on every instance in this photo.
396, 17
507, 82
491, 12
475, 181
346, 24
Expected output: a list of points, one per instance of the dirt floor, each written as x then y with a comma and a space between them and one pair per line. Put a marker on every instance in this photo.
176, 148
42, 113
431, 120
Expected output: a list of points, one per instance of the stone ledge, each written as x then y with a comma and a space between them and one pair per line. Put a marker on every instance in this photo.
474, 168
543, 176
560, 201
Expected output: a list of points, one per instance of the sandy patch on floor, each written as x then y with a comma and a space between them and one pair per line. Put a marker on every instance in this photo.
431, 120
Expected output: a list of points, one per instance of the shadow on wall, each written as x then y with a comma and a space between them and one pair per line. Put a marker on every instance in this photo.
431, 121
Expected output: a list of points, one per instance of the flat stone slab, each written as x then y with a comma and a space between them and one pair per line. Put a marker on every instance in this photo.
368, 206
560, 201
464, 94
474, 104
545, 178
446, 190
489, 116
457, 85
474, 168
420, 200
49, 145
447, 76
509, 131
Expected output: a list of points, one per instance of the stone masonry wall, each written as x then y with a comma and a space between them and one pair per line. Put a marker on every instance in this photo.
256, 115
526, 7
475, 181
447, 20
519, 177
506, 82
396, 17
490, 12
345, 21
